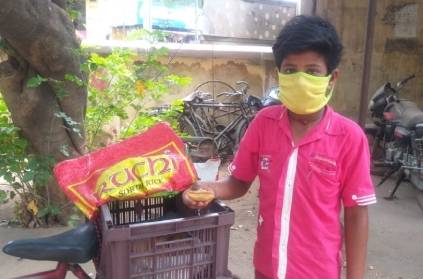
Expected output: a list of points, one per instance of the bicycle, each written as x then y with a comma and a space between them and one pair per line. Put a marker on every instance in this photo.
164, 234
68, 249
205, 126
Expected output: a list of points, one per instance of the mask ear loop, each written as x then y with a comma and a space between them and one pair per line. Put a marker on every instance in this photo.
329, 89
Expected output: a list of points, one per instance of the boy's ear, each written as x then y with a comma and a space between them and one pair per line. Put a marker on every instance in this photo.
334, 77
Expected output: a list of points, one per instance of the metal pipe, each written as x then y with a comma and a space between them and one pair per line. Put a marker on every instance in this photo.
148, 20
197, 36
364, 97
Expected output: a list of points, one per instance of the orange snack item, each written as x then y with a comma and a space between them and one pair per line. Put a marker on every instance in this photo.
150, 164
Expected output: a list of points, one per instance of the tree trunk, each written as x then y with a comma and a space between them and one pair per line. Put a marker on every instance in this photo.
41, 40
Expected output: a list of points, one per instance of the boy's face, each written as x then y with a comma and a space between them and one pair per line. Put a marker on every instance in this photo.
309, 62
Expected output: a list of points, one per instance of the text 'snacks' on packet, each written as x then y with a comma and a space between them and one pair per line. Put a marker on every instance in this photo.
153, 163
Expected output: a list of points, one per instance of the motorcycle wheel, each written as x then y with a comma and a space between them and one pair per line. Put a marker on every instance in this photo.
377, 154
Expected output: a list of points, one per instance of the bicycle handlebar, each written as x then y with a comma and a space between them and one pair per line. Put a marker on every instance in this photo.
229, 94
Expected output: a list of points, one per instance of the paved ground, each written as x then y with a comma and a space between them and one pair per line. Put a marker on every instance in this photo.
395, 248
395, 244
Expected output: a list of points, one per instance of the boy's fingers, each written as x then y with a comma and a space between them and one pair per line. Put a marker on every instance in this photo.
202, 204
192, 203
188, 202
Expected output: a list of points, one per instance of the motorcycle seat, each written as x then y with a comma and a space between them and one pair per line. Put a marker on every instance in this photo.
78, 245
409, 114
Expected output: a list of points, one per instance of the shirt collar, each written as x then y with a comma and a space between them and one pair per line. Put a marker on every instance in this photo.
325, 125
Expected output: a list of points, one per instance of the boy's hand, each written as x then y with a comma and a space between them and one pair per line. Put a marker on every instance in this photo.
198, 197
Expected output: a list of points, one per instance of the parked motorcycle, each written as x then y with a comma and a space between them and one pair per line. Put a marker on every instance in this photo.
271, 97
396, 136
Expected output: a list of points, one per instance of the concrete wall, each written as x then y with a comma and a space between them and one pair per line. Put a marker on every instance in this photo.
397, 53
254, 70
222, 69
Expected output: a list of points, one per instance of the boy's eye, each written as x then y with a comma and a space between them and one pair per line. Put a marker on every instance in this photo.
314, 72
288, 71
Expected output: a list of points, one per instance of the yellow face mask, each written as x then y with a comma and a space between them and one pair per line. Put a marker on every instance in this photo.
302, 93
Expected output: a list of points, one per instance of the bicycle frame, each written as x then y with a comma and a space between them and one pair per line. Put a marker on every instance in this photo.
228, 128
196, 119
59, 273
217, 136
221, 122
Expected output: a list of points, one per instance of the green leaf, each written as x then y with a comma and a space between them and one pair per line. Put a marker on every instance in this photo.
2, 44
28, 176
3, 196
36, 81
74, 220
97, 59
32, 163
75, 79
43, 212
54, 210
9, 178
49, 210
17, 185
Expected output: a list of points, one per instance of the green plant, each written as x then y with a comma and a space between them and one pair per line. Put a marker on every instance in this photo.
120, 86
122, 83
146, 119
25, 175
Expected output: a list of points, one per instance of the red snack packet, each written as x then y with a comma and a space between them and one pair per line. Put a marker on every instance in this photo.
150, 164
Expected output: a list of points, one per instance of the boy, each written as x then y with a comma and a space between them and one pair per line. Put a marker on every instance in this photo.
309, 160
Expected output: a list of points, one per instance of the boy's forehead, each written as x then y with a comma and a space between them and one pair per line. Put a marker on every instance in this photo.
305, 58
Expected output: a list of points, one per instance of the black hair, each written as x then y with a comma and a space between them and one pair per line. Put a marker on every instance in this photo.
309, 33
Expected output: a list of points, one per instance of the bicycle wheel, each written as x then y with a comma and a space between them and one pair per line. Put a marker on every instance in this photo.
214, 85
239, 132
215, 88
187, 127
225, 143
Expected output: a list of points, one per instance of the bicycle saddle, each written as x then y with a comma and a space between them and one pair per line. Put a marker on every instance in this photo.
74, 246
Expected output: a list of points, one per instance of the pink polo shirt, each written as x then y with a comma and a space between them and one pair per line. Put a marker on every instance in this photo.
301, 191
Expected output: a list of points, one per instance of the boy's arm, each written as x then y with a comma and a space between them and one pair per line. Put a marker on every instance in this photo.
356, 235
226, 189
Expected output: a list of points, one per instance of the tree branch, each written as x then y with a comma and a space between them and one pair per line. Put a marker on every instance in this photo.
32, 110
61, 3
41, 32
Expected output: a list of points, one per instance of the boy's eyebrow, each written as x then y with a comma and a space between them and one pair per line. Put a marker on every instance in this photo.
308, 65
313, 65
289, 65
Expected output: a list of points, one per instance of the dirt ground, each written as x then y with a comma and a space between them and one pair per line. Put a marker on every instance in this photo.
395, 245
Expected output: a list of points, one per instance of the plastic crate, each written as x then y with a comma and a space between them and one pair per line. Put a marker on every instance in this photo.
157, 238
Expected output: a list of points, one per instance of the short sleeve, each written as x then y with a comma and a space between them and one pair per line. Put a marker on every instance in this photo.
245, 162
356, 180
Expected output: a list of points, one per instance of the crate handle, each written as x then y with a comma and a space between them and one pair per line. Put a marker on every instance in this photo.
189, 240
107, 215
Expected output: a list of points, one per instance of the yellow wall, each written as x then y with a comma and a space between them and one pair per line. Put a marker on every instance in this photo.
394, 55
